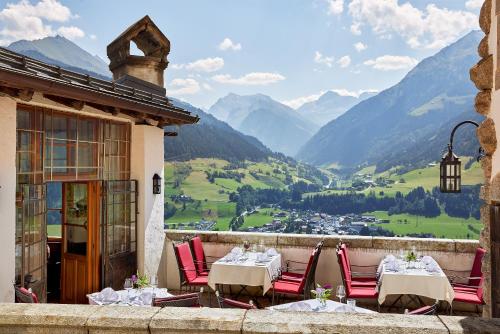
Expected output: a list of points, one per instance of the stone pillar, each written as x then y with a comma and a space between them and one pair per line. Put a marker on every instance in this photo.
146, 160
7, 198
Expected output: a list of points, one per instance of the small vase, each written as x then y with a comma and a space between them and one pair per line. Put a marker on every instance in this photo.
322, 302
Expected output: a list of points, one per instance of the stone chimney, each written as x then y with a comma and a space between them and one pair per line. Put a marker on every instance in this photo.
141, 72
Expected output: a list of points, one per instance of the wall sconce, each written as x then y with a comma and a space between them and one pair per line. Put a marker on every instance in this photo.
156, 184
450, 175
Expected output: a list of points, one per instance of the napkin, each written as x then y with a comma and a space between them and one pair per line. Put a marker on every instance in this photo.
392, 265
389, 258
262, 257
271, 252
427, 260
432, 267
108, 295
236, 251
146, 297
344, 309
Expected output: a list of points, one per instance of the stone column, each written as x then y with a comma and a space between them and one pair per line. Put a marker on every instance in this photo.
146, 160
7, 198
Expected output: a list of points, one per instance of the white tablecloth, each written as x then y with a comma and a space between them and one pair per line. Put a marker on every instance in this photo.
313, 305
247, 272
124, 297
419, 282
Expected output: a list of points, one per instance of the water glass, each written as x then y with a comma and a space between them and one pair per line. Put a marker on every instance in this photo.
340, 292
127, 285
351, 303
153, 282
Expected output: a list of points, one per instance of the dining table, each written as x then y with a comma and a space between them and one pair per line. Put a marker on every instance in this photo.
423, 277
246, 269
314, 305
132, 297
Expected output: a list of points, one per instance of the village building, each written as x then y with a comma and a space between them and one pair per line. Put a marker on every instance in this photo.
83, 154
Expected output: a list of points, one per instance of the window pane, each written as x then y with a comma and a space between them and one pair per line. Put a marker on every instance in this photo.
63, 127
76, 240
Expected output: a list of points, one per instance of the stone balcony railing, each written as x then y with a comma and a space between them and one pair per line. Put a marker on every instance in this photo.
452, 255
80, 319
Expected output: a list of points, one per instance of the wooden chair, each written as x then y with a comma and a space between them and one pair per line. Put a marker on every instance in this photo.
25, 296
185, 300
231, 303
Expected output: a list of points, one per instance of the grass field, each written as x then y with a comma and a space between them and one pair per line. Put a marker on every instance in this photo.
262, 217
442, 226
54, 230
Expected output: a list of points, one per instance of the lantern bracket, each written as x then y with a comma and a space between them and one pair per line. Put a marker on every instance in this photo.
450, 145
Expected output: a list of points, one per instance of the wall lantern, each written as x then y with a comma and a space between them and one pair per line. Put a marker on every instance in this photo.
156, 184
450, 168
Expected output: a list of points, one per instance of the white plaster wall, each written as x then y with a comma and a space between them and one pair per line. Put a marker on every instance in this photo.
7, 197
146, 160
495, 96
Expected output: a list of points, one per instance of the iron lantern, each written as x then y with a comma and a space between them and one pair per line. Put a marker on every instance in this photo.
156, 184
450, 175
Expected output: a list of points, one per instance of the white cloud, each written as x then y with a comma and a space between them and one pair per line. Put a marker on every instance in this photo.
360, 46
71, 33
299, 101
321, 59
355, 93
228, 44
344, 62
93, 37
356, 29
254, 78
202, 65
24, 20
432, 27
183, 87
335, 7
474, 4
391, 63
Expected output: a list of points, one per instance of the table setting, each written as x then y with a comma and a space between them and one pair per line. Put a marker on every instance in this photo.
246, 266
412, 274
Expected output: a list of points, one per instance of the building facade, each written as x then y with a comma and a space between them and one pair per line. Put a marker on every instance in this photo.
77, 161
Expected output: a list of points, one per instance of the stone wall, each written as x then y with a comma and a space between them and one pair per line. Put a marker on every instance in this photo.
453, 255
65, 319
484, 75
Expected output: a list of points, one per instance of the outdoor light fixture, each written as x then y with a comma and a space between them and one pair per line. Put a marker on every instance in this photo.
156, 184
450, 167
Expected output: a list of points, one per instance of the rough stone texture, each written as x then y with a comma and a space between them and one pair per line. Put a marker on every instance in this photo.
487, 166
485, 17
197, 320
293, 322
466, 246
304, 240
482, 73
443, 245
469, 325
483, 47
484, 193
487, 136
239, 237
176, 235
483, 102
495, 188
120, 320
45, 318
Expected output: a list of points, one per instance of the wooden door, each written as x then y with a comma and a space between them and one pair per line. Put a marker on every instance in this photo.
80, 249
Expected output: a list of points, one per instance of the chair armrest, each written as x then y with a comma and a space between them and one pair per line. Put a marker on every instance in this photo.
368, 266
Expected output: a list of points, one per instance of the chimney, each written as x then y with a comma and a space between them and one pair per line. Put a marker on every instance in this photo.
141, 72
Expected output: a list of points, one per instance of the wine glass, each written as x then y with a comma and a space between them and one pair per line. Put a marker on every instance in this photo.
340, 292
153, 282
127, 286
402, 254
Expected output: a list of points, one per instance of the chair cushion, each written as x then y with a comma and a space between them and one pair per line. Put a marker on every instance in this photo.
282, 286
362, 293
294, 277
186, 261
467, 297
464, 289
199, 254
477, 267
204, 273
200, 280
365, 283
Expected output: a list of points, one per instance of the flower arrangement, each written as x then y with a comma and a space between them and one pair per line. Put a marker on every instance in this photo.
322, 293
140, 281
411, 257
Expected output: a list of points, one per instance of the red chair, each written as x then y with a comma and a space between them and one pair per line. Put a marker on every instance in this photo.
425, 310
472, 291
363, 292
298, 288
187, 271
231, 303
297, 275
25, 296
185, 300
200, 258
358, 279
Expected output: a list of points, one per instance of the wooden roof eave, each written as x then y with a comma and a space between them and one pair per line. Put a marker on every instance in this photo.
168, 115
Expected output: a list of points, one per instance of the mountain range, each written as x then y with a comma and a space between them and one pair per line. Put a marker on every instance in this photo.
408, 123
62, 52
278, 126
329, 106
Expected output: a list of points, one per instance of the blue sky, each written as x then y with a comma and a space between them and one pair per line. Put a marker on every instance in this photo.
292, 50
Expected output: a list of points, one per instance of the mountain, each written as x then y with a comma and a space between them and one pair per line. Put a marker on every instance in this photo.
211, 138
409, 122
278, 126
62, 52
330, 106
